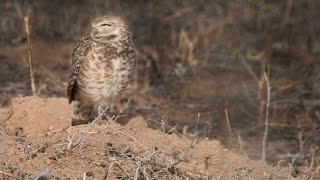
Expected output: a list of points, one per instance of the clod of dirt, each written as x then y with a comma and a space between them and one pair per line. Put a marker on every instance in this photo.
23, 174
34, 155
42, 150
17, 131
20, 140
104, 164
12, 168
56, 157
89, 174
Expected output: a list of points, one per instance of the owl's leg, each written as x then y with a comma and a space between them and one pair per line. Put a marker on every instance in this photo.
122, 104
81, 114
115, 105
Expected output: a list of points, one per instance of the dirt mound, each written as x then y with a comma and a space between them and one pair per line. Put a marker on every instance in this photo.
37, 116
36, 137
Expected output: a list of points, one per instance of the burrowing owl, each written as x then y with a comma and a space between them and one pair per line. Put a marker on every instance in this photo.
102, 66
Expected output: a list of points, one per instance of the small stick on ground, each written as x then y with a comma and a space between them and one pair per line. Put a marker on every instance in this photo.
28, 32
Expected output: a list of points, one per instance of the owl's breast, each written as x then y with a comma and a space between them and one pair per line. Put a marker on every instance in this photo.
103, 78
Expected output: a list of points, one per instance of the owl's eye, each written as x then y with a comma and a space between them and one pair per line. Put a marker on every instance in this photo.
105, 25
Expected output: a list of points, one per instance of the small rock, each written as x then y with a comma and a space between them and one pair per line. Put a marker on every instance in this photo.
111, 159
89, 173
20, 140
294, 171
42, 150
27, 148
44, 175
56, 157
17, 132
104, 164
109, 151
24, 159
23, 174
34, 155
12, 168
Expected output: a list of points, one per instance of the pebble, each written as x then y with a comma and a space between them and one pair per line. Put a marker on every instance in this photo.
27, 148
12, 168
89, 173
20, 140
42, 150
23, 174
34, 155
56, 157
104, 164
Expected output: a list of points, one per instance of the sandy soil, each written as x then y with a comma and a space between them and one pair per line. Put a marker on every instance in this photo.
36, 138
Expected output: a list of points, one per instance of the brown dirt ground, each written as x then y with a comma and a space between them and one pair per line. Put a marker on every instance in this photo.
37, 136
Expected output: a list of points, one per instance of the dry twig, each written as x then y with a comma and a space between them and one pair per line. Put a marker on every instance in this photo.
267, 118
229, 127
184, 154
28, 32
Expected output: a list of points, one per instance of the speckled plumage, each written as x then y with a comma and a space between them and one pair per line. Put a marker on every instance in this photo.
102, 66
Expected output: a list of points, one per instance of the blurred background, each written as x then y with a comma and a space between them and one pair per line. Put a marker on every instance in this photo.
229, 64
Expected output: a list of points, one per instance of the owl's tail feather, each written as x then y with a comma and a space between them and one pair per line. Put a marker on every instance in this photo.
72, 89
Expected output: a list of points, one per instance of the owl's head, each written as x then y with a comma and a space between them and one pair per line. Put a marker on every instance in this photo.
108, 28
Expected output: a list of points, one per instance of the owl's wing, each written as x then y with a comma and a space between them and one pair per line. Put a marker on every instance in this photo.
80, 51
